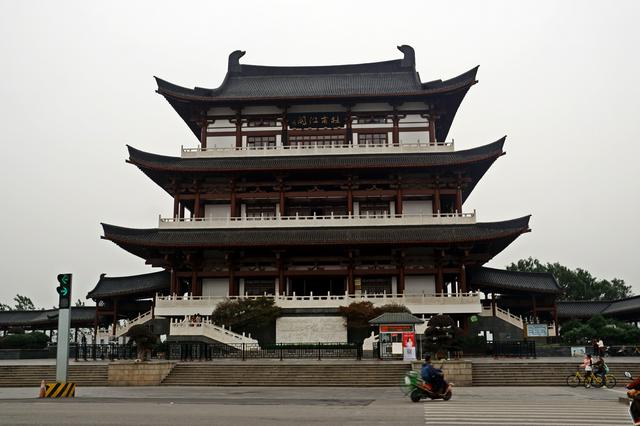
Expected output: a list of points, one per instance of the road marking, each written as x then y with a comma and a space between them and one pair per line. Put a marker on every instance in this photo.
552, 413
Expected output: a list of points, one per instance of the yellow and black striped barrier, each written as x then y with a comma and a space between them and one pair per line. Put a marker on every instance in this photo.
60, 390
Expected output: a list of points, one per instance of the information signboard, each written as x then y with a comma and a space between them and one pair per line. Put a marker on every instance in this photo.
537, 330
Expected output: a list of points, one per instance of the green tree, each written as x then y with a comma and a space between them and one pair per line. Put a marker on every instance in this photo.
578, 284
23, 303
79, 303
4, 307
251, 316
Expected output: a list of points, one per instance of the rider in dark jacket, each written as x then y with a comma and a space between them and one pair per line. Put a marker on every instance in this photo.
432, 375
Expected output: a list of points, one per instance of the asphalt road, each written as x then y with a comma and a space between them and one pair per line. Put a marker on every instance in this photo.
233, 406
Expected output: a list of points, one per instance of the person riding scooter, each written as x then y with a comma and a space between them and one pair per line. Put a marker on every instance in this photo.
432, 375
633, 393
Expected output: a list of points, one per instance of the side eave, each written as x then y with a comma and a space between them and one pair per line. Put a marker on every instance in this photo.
489, 237
476, 161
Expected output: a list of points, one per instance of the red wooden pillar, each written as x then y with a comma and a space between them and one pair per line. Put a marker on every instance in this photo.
282, 206
432, 129
238, 131
284, 137
436, 200
459, 199
350, 199
395, 133
176, 205
197, 208
400, 289
463, 279
203, 133
232, 201
233, 291
196, 290
349, 129
351, 285
399, 198
115, 316
493, 304
181, 211
439, 280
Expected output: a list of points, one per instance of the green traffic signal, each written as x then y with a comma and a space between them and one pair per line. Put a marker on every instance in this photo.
64, 290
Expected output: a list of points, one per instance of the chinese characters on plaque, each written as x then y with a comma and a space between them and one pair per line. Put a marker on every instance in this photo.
316, 120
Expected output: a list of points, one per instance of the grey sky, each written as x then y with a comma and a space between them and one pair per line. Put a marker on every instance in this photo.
559, 78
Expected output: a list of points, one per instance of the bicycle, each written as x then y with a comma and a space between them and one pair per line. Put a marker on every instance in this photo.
596, 380
576, 379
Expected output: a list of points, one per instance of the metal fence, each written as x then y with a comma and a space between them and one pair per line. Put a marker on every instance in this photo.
519, 349
244, 351
109, 351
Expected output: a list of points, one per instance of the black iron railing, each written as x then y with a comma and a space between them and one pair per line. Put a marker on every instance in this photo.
520, 349
244, 351
108, 351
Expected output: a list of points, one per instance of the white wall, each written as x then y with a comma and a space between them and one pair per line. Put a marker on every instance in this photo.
418, 284
215, 287
310, 329
217, 210
417, 207
221, 141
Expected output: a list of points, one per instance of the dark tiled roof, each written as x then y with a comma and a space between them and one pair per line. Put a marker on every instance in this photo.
623, 306
130, 285
512, 280
369, 79
246, 83
587, 309
396, 318
375, 235
474, 162
146, 160
581, 309
79, 315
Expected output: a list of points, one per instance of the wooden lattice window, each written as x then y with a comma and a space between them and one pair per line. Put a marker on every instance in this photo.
261, 141
316, 140
372, 139
376, 285
259, 286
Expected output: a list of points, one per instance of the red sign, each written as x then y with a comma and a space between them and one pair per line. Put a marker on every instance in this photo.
396, 328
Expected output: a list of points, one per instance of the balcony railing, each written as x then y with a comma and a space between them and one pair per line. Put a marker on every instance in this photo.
318, 221
329, 149
417, 303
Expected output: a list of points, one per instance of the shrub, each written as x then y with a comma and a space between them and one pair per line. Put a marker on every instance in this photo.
35, 340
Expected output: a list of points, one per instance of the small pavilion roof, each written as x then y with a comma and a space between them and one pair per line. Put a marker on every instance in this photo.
492, 236
629, 305
475, 161
80, 316
395, 318
500, 279
145, 284
367, 81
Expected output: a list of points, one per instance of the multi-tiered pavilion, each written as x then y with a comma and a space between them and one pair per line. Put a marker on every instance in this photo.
318, 186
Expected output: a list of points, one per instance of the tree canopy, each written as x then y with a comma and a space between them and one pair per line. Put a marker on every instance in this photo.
578, 284
253, 316
22, 303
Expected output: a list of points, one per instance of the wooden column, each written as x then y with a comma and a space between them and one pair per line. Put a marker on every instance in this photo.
233, 290
176, 205
458, 199
232, 201
463, 279
203, 133
493, 304
351, 285
395, 133
399, 198
284, 136
432, 129
115, 316
282, 284
349, 196
349, 128
400, 285
282, 209
436, 200
439, 280
172, 289
181, 211
197, 208
238, 131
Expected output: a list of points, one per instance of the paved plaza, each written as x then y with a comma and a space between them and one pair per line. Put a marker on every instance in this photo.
314, 406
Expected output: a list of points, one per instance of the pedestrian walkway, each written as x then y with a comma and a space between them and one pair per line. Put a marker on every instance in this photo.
516, 413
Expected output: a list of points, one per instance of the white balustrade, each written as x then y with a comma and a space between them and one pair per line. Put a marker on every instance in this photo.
329, 149
318, 221
204, 327
504, 315
416, 303
121, 329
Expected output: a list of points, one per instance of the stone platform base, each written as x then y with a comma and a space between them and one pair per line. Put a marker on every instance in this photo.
138, 373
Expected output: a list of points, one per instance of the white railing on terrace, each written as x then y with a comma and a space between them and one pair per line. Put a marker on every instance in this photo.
204, 327
417, 303
121, 329
504, 315
309, 221
330, 149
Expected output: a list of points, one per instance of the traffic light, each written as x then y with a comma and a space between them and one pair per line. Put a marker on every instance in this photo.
64, 290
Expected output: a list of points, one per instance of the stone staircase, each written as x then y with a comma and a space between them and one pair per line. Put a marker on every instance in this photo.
538, 373
322, 373
205, 328
32, 375
121, 329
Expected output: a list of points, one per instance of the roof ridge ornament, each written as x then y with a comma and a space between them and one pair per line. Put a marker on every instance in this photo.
234, 60
409, 59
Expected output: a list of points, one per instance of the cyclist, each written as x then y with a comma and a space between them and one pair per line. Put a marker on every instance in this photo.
600, 368
587, 365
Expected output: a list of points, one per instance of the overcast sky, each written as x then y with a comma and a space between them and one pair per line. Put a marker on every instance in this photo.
560, 79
